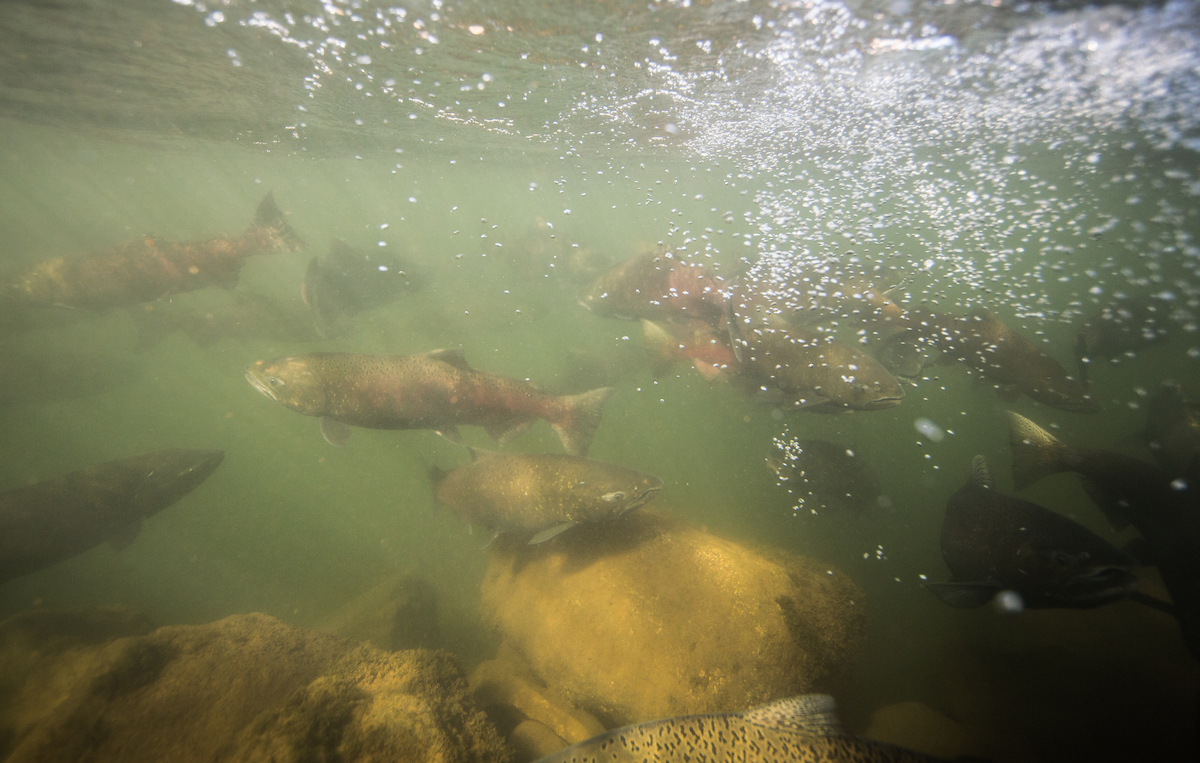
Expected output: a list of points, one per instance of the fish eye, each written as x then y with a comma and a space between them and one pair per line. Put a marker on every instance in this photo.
274, 381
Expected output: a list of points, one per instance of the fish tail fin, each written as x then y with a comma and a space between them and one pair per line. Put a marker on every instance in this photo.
270, 218
578, 425
1036, 452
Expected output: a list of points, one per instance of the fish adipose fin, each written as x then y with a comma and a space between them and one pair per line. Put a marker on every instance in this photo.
1036, 453
335, 432
964, 595
813, 714
549, 533
270, 217
578, 425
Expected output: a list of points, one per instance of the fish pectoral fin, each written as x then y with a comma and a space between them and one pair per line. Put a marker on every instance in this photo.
546, 535
711, 372
450, 433
335, 432
123, 536
452, 356
964, 595
811, 714
491, 539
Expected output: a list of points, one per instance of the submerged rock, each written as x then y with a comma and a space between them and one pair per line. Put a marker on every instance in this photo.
400, 612
650, 618
244, 688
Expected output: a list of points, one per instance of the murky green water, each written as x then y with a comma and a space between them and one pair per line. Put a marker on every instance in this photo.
1030, 160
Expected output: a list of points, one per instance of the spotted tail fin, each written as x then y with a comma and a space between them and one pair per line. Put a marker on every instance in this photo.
578, 425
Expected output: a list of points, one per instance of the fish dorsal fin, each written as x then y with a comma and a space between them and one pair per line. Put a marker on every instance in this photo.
814, 714
481, 454
980, 475
453, 356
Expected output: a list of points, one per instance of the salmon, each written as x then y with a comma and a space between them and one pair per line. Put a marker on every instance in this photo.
148, 268
433, 390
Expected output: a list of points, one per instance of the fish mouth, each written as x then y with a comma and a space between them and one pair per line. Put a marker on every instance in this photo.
1101, 585
641, 498
258, 385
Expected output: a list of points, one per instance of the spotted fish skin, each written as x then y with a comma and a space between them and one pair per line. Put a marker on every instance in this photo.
148, 268
657, 286
434, 390
531, 492
795, 730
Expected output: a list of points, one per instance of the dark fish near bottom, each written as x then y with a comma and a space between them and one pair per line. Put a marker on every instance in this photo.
994, 542
824, 475
1129, 491
44, 524
802, 729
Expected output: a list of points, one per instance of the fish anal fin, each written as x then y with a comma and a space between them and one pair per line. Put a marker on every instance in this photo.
507, 430
550, 532
964, 595
124, 535
813, 714
335, 432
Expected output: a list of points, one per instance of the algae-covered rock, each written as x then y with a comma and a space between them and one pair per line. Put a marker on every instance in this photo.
649, 618
251, 688
400, 612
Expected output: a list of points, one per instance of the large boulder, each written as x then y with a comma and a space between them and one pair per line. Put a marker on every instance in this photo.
244, 688
647, 617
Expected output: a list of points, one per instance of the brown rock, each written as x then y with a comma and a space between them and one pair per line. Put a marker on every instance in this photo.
532, 740
250, 687
400, 612
647, 618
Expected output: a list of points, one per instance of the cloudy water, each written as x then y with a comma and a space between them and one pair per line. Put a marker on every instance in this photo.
872, 173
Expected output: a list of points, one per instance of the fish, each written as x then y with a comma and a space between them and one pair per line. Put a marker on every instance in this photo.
148, 268
657, 286
824, 291
542, 494
1173, 432
350, 281
433, 390
808, 369
823, 475
34, 378
1165, 511
803, 729
994, 543
242, 316
1012, 362
46, 523
1122, 328
707, 349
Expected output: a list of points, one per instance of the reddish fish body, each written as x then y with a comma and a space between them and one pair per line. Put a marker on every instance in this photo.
148, 268
983, 342
657, 287
435, 390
